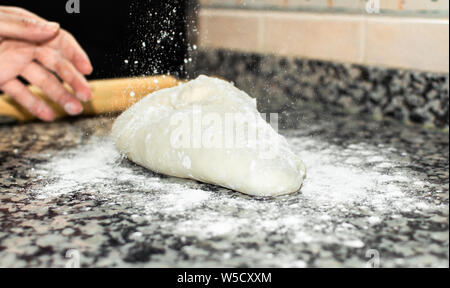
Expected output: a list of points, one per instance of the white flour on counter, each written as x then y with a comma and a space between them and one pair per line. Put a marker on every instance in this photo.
341, 182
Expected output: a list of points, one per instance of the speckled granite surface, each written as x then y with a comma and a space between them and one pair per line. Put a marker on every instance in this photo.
284, 83
374, 189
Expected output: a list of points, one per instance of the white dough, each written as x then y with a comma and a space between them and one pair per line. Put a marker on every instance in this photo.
185, 132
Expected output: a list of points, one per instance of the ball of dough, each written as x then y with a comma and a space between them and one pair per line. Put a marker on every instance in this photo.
210, 131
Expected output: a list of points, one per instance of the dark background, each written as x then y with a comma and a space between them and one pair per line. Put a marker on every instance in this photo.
112, 32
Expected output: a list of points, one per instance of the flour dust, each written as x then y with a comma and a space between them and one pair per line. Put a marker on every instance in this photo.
347, 190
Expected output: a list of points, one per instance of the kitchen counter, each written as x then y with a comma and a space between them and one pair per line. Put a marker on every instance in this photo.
376, 195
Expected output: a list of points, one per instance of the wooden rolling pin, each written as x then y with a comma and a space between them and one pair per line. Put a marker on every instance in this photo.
108, 96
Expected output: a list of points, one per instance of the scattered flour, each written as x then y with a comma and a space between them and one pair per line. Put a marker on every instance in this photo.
359, 179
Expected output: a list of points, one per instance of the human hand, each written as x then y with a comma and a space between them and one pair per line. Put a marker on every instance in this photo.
32, 48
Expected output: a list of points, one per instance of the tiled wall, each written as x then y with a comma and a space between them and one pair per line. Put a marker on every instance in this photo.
388, 66
404, 7
413, 43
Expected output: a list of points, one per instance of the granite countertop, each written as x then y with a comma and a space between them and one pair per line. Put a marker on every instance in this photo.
376, 194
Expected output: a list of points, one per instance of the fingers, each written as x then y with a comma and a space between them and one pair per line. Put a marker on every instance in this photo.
26, 28
51, 59
19, 12
72, 51
24, 97
61, 40
39, 76
14, 56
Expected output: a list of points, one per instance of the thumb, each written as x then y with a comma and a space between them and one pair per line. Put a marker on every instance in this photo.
26, 29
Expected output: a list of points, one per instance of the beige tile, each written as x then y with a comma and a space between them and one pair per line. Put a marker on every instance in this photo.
307, 4
230, 29
219, 3
398, 42
316, 36
411, 43
350, 5
274, 3
258, 4
223, 2
438, 5
415, 5
332, 5
203, 2
391, 4
323, 5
